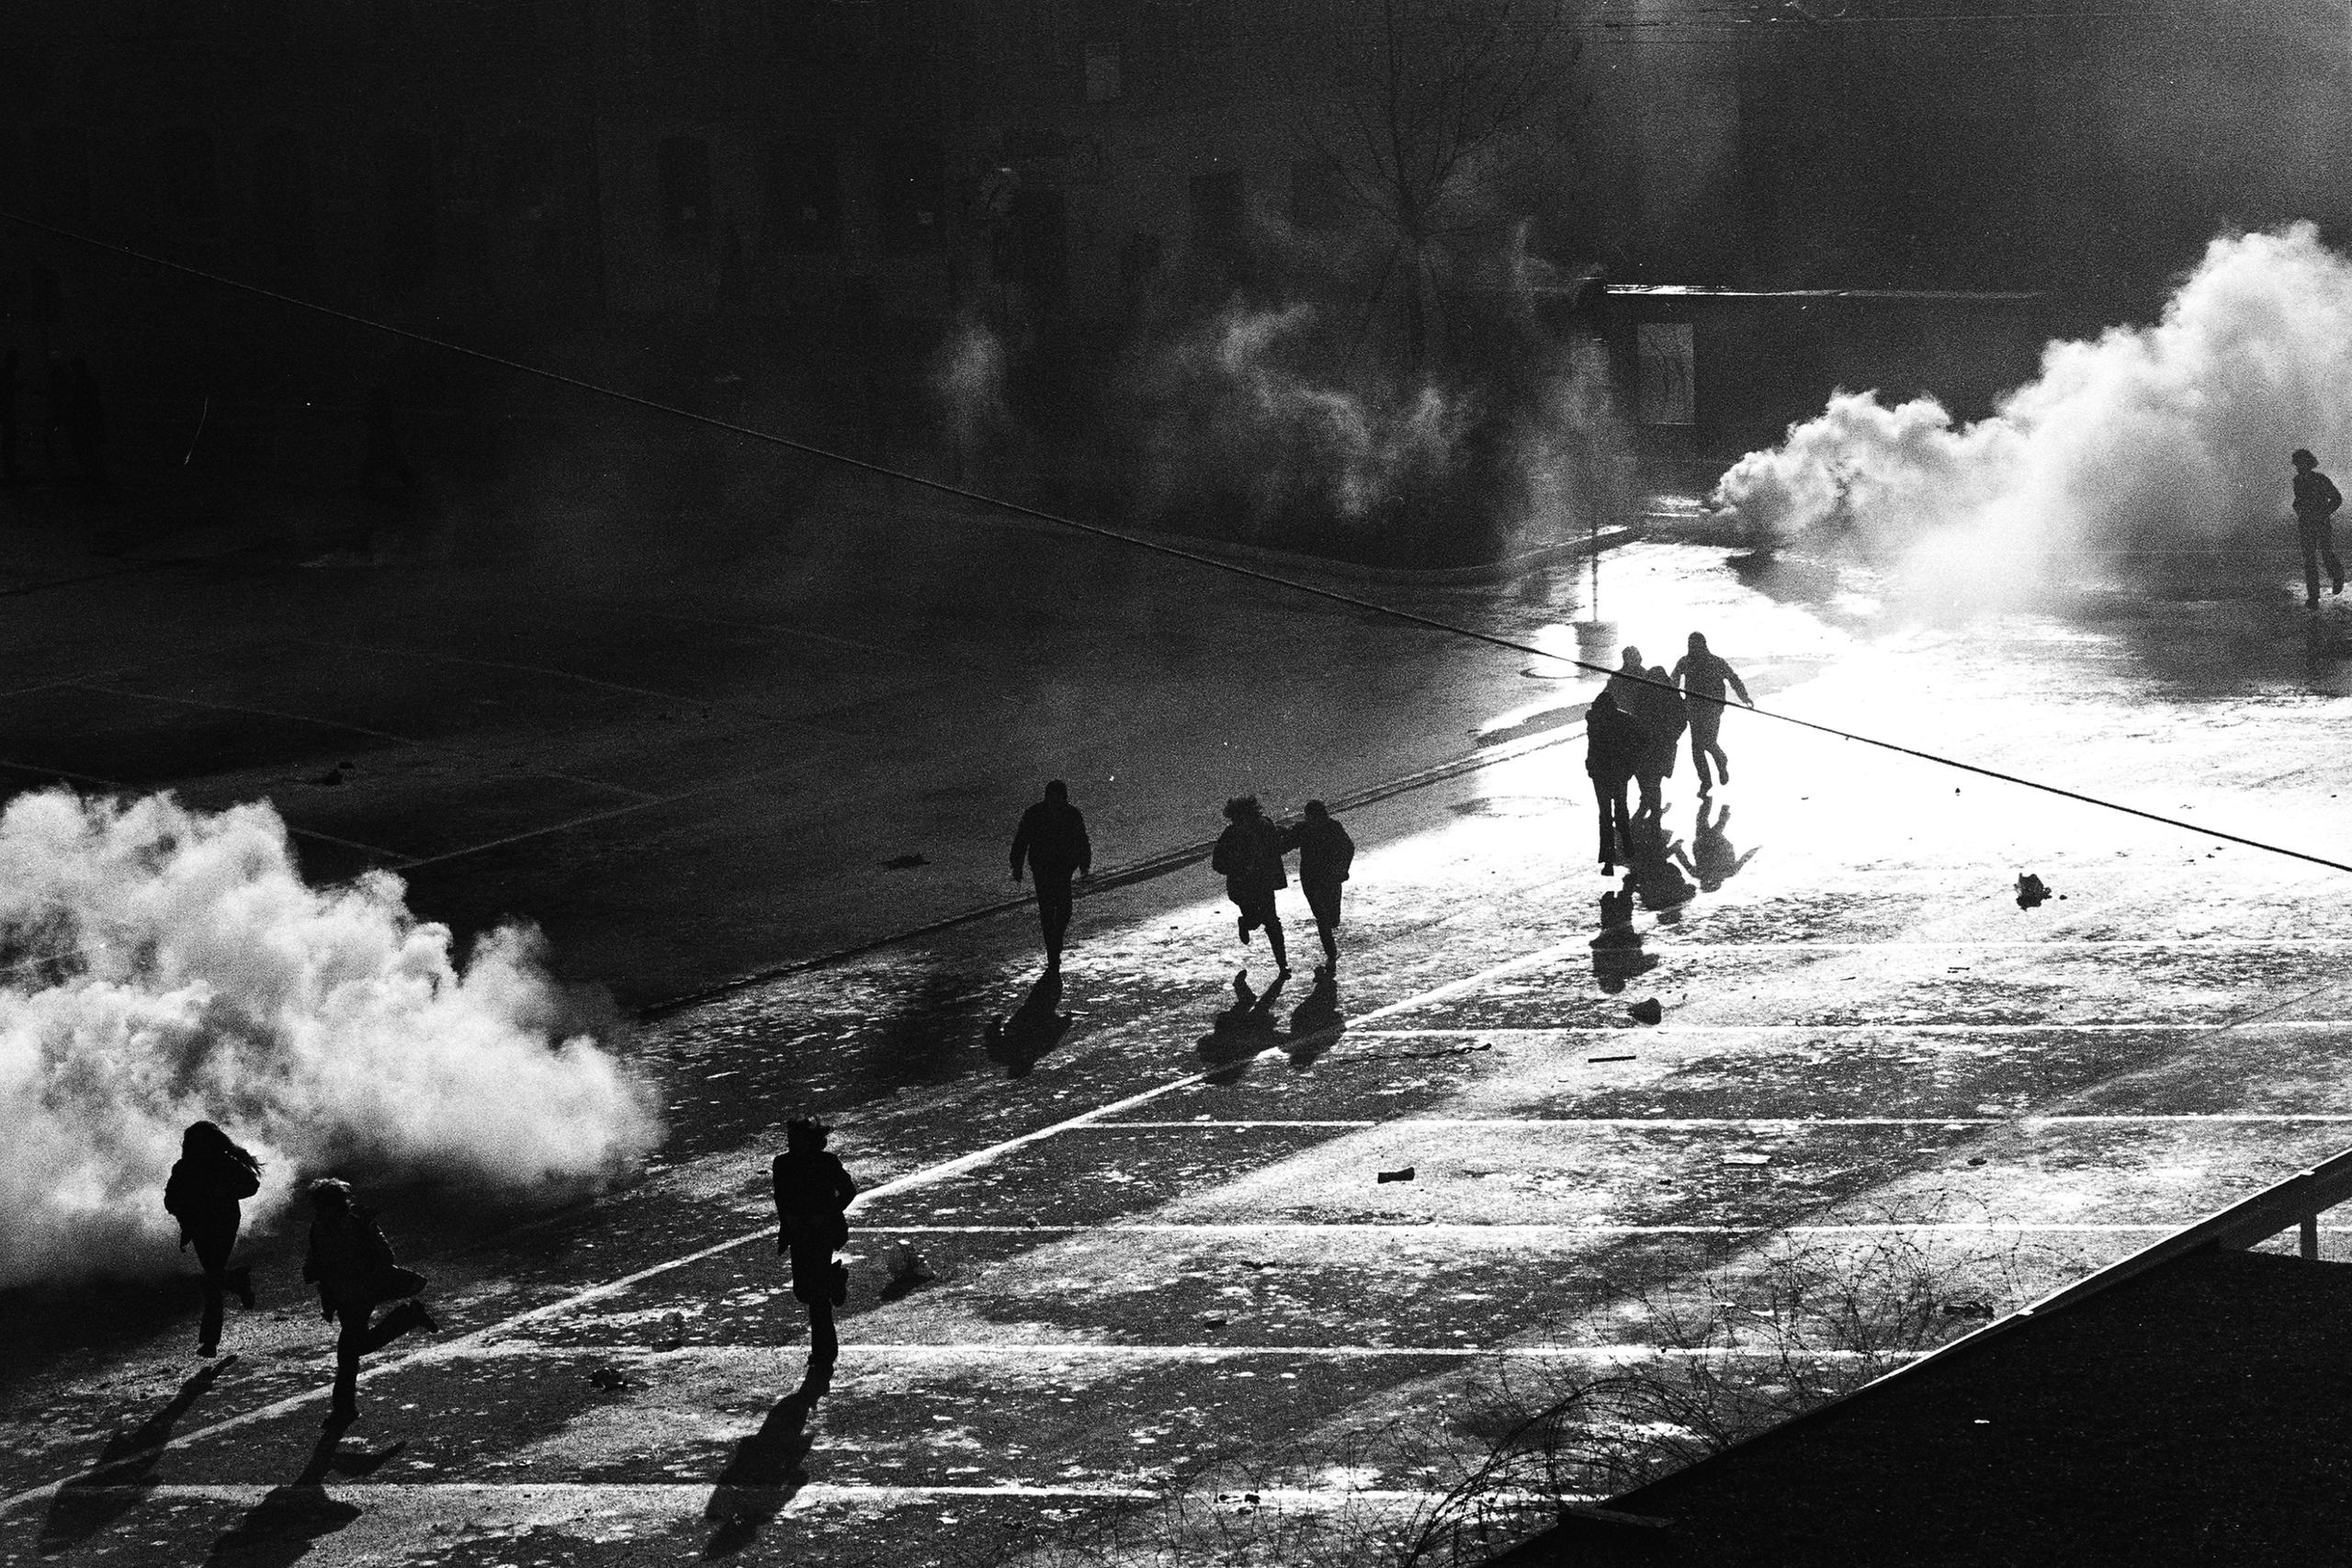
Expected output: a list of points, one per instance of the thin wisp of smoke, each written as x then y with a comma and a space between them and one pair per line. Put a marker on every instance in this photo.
171, 965
2145, 438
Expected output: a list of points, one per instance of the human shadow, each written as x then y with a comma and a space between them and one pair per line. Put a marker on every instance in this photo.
1617, 952
767, 1468
1652, 874
926, 1035
1018, 1041
125, 1469
1242, 1031
1712, 859
281, 1529
1315, 1023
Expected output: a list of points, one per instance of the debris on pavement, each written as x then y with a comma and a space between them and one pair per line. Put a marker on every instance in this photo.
1648, 1010
1747, 1160
906, 1266
1253, 1263
1405, 1174
1608, 1058
609, 1379
1969, 1309
1207, 1322
904, 863
673, 1331
2031, 891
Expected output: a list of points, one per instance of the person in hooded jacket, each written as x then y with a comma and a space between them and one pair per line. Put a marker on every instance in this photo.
812, 1196
211, 1177
1612, 748
353, 1266
1248, 855
1325, 852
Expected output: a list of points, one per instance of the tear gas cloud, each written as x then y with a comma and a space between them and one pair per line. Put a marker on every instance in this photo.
171, 964
2171, 435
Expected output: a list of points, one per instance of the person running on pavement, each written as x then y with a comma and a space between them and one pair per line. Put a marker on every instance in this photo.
212, 1177
1052, 839
1613, 745
1662, 717
2316, 499
1248, 855
353, 1266
1704, 677
812, 1194
1325, 852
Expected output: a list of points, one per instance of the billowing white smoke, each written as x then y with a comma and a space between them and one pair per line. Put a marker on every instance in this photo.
1237, 396
2152, 436
171, 966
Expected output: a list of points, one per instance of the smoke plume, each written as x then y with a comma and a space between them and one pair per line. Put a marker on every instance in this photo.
2146, 438
171, 966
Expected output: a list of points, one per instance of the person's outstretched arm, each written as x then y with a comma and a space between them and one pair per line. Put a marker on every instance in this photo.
1738, 685
2333, 496
1020, 845
1085, 844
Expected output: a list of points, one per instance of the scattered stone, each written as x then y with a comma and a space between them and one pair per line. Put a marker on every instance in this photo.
907, 1266
673, 1330
1387, 1175
1212, 1322
609, 1379
2031, 891
904, 863
1648, 1010
1262, 1267
1977, 1159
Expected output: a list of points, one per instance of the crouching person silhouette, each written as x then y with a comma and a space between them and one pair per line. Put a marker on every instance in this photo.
352, 1265
813, 1193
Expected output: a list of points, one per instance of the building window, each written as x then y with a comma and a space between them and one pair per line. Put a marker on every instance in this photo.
910, 187
282, 197
411, 249
683, 167
60, 176
804, 196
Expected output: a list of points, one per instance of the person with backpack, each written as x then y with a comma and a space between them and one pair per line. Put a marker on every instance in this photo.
211, 1177
1248, 855
812, 1197
1325, 852
1052, 839
353, 1266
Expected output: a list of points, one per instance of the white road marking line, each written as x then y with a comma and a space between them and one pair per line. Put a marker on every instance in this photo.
2218, 943
1677, 1122
605, 1498
855, 1352
1526, 1232
451, 1350
1667, 1030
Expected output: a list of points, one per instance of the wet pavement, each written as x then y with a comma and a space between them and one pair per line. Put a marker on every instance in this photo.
1161, 1254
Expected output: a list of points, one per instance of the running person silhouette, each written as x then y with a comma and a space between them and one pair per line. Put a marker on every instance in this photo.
1703, 676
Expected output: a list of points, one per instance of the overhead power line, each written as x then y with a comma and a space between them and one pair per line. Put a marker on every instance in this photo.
1156, 546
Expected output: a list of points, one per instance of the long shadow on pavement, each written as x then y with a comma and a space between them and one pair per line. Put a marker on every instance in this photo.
1020, 1040
281, 1529
1242, 1031
768, 1469
113, 1485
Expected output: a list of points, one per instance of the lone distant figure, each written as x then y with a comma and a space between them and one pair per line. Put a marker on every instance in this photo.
1052, 839
1704, 677
1248, 855
1612, 748
812, 1194
353, 1266
212, 1177
1325, 852
2316, 499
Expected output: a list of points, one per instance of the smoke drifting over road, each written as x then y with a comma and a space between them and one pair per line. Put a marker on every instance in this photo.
2150, 437
171, 964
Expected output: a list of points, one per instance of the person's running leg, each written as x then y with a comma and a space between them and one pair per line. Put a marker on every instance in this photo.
213, 1243
1325, 903
1273, 921
1053, 915
2327, 554
2308, 536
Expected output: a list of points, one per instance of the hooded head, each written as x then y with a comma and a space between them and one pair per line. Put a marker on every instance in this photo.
803, 1135
1057, 790
1317, 810
1241, 809
1631, 660
2302, 458
1698, 642
329, 1195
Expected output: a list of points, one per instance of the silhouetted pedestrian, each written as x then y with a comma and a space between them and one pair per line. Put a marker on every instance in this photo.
2316, 499
1248, 855
353, 1266
1612, 746
1325, 854
383, 457
1052, 839
812, 1194
9, 362
212, 1176
86, 421
1704, 677
1662, 717
1624, 687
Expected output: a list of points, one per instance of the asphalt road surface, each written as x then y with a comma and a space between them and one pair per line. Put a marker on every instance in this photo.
1160, 1250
